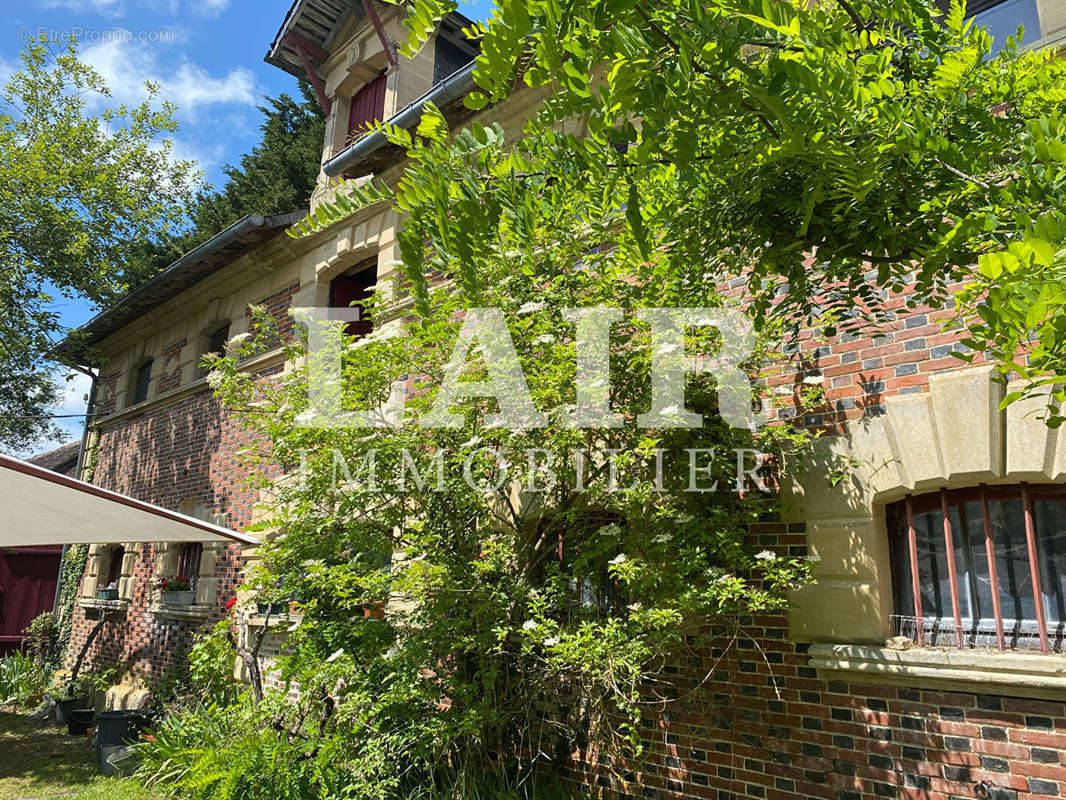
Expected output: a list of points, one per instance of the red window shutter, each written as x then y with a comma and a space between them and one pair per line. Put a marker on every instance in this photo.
368, 104
351, 288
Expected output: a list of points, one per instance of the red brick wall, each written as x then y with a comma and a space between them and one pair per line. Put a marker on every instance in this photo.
185, 450
277, 305
755, 721
859, 372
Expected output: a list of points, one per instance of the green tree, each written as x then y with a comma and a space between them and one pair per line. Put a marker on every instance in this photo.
519, 590
277, 176
79, 189
841, 149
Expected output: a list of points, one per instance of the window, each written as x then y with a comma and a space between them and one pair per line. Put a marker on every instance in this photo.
216, 344
114, 566
1002, 18
188, 565
348, 289
989, 564
368, 105
594, 593
450, 54
142, 379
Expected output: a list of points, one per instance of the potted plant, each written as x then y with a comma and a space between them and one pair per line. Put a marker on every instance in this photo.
273, 609
177, 590
108, 592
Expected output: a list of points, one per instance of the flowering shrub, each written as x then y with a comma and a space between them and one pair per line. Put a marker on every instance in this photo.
504, 604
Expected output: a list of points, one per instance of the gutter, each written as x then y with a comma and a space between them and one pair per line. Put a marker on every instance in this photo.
193, 257
456, 85
78, 475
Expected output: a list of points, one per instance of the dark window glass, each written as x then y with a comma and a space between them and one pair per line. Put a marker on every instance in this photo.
114, 566
450, 56
1006, 517
216, 342
144, 377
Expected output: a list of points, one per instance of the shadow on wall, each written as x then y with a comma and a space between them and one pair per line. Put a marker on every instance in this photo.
163, 456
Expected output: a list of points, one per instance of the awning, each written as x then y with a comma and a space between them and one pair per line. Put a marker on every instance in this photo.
41, 507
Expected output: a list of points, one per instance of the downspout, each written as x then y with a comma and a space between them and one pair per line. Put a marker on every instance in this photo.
452, 88
78, 470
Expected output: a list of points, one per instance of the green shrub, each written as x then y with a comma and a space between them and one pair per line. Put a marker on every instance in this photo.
236, 752
23, 679
171, 751
40, 634
211, 663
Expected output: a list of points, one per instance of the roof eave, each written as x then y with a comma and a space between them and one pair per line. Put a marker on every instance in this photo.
102, 324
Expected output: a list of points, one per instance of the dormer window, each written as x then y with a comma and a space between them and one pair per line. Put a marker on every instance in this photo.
368, 106
451, 52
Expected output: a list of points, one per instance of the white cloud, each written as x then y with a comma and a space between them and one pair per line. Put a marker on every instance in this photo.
70, 415
210, 8
127, 65
111, 8
74, 395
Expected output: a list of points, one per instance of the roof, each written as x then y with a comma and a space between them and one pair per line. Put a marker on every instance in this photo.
42, 507
313, 22
194, 266
63, 460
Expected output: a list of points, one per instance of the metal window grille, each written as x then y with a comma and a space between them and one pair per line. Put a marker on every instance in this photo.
981, 567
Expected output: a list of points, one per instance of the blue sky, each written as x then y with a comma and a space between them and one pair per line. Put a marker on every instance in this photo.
206, 56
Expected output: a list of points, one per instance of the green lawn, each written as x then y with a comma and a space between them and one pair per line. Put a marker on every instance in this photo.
40, 762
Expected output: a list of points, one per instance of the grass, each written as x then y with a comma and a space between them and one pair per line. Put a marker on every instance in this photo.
39, 762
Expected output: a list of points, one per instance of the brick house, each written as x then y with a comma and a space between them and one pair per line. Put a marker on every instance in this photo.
902, 673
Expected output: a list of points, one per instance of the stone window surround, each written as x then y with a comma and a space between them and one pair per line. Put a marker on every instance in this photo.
97, 568
953, 436
166, 563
